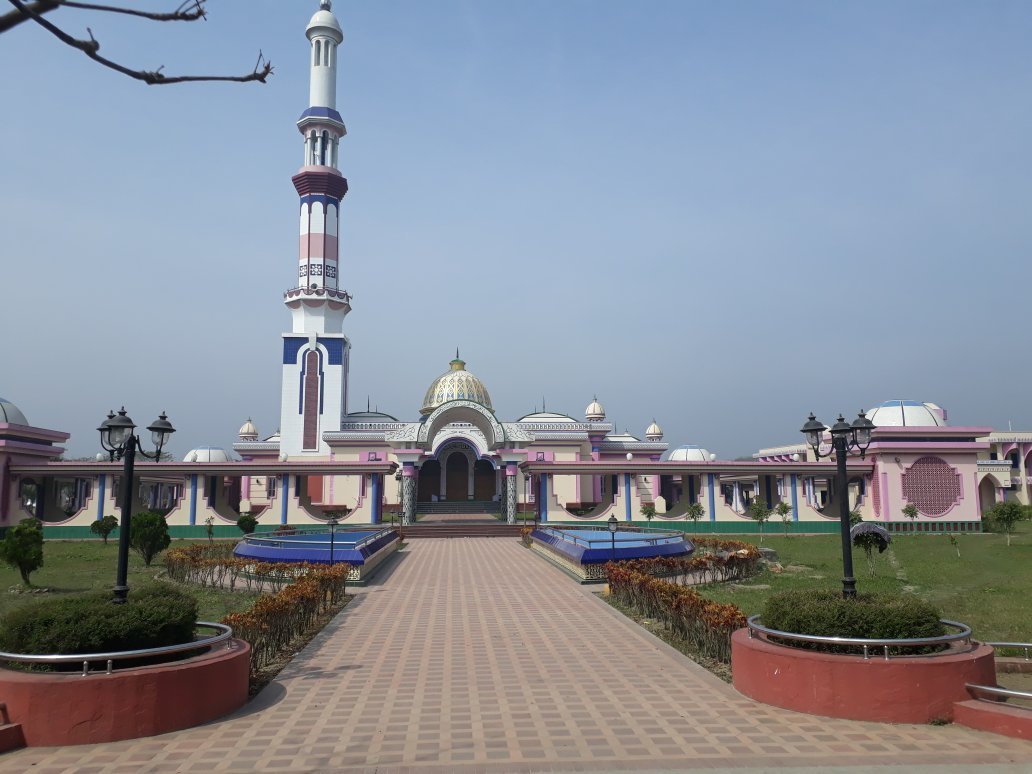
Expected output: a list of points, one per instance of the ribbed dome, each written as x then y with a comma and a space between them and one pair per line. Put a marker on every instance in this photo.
690, 453
455, 384
594, 412
654, 432
248, 432
11, 413
907, 413
208, 454
323, 22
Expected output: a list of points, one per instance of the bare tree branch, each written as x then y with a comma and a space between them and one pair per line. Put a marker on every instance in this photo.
262, 69
189, 10
14, 18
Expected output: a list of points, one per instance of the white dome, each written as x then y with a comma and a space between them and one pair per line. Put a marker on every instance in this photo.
208, 454
595, 412
11, 413
323, 22
907, 413
547, 416
624, 437
248, 431
455, 384
689, 453
654, 432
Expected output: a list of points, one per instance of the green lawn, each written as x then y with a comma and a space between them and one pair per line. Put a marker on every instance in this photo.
73, 567
989, 587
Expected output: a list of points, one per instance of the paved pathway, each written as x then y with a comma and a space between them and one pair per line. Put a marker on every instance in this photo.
476, 655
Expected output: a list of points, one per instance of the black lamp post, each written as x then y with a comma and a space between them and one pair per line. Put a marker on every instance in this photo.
612, 535
333, 533
119, 441
844, 438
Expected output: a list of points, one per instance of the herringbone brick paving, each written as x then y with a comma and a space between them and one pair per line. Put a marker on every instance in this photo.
477, 655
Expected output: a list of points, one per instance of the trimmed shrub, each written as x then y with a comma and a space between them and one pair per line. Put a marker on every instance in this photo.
148, 535
104, 527
867, 616
154, 616
247, 523
22, 548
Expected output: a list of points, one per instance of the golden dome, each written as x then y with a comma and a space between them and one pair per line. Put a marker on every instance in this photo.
455, 384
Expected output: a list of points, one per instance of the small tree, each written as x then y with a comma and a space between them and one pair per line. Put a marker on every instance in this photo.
104, 527
148, 535
22, 548
648, 510
954, 543
759, 513
784, 512
910, 511
209, 529
247, 523
868, 541
1004, 516
695, 511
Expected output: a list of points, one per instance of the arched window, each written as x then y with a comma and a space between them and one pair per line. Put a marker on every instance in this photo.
318, 52
322, 147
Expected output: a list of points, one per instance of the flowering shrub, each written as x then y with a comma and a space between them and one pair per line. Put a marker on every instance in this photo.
303, 592
702, 623
726, 560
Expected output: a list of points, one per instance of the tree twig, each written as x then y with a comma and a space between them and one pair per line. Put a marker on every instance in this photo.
189, 10
262, 69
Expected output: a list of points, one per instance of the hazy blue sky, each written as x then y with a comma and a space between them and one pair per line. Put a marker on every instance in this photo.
720, 214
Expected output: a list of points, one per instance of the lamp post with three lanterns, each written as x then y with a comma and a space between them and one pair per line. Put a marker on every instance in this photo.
845, 437
121, 443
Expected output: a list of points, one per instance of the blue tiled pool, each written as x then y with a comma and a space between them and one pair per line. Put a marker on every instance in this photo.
355, 547
595, 546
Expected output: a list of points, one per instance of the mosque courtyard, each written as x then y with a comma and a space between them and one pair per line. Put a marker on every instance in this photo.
449, 661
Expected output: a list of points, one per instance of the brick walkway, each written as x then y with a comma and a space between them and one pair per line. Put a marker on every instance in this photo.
475, 654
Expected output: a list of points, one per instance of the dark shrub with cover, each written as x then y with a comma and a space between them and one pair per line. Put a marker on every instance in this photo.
155, 616
867, 616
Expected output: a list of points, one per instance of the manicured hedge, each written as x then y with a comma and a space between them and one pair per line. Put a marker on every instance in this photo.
155, 616
867, 616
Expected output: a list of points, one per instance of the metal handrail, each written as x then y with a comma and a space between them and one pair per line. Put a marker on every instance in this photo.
964, 635
266, 539
608, 541
995, 690
225, 633
1023, 646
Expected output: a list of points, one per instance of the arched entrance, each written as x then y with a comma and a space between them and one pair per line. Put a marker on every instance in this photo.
457, 480
429, 481
485, 482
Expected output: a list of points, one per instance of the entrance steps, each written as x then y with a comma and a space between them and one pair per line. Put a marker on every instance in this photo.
461, 529
459, 506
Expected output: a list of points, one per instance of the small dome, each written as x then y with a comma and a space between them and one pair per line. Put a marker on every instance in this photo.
907, 413
689, 453
594, 412
369, 416
455, 384
11, 413
248, 432
654, 432
208, 454
546, 416
323, 22
625, 437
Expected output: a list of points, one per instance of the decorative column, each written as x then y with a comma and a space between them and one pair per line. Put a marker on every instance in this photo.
408, 493
510, 493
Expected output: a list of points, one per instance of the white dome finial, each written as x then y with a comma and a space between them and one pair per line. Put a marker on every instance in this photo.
595, 412
326, 5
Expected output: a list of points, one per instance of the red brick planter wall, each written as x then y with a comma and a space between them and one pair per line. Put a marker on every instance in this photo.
60, 709
913, 689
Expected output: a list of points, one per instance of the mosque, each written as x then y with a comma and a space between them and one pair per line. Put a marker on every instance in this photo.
459, 456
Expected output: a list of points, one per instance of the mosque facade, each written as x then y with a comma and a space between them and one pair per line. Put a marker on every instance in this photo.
326, 460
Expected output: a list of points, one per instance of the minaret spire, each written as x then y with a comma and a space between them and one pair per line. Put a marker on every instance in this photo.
316, 353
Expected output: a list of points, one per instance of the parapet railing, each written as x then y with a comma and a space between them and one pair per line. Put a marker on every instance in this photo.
1023, 646
565, 533
1004, 693
225, 633
267, 539
866, 646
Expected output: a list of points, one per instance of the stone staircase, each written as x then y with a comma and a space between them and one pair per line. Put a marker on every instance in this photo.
461, 529
459, 506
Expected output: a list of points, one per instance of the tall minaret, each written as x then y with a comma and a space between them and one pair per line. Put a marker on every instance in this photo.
316, 351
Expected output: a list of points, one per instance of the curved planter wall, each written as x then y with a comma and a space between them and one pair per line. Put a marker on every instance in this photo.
67, 708
911, 689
